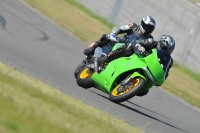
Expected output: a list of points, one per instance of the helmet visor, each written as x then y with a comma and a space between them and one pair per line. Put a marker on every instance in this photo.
142, 30
164, 47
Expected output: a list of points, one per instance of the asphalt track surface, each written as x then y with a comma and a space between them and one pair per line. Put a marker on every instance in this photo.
32, 44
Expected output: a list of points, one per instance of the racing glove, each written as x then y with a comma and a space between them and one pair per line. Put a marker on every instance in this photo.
113, 37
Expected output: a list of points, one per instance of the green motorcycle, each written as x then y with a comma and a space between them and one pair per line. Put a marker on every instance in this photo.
126, 77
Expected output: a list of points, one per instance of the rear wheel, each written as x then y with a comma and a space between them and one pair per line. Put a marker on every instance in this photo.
84, 78
123, 93
80, 67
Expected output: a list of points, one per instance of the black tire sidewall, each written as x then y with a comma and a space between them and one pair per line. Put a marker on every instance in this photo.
85, 83
80, 67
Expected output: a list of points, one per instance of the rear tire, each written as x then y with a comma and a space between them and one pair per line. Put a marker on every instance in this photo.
84, 78
137, 84
80, 67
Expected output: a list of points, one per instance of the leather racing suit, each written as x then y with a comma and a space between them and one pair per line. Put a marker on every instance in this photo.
131, 31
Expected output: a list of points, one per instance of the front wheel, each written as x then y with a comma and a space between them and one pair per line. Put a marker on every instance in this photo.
84, 78
123, 93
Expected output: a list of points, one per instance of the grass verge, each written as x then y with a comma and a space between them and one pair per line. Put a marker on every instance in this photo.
73, 17
30, 106
185, 84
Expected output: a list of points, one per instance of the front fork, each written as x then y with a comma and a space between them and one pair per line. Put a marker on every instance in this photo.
135, 74
126, 81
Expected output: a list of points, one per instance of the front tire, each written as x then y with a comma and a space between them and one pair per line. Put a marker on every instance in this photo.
134, 86
84, 78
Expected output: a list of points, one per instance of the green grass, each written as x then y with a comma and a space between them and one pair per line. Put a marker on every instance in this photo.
89, 13
73, 17
185, 84
30, 106
190, 73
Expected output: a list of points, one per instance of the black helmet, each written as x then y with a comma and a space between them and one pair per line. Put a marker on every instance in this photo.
167, 43
148, 24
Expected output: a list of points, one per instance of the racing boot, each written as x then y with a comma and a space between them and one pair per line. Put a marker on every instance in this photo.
90, 50
102, 42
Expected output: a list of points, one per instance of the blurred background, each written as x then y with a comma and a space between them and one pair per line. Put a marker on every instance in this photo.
178, 18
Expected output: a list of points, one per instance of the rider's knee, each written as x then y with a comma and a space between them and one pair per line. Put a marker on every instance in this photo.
104, 38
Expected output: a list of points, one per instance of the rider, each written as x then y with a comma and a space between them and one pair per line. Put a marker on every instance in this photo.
140, 33
167, 43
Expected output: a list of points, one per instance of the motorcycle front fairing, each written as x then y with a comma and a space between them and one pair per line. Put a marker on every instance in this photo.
106, 79
154, 67
151, 67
